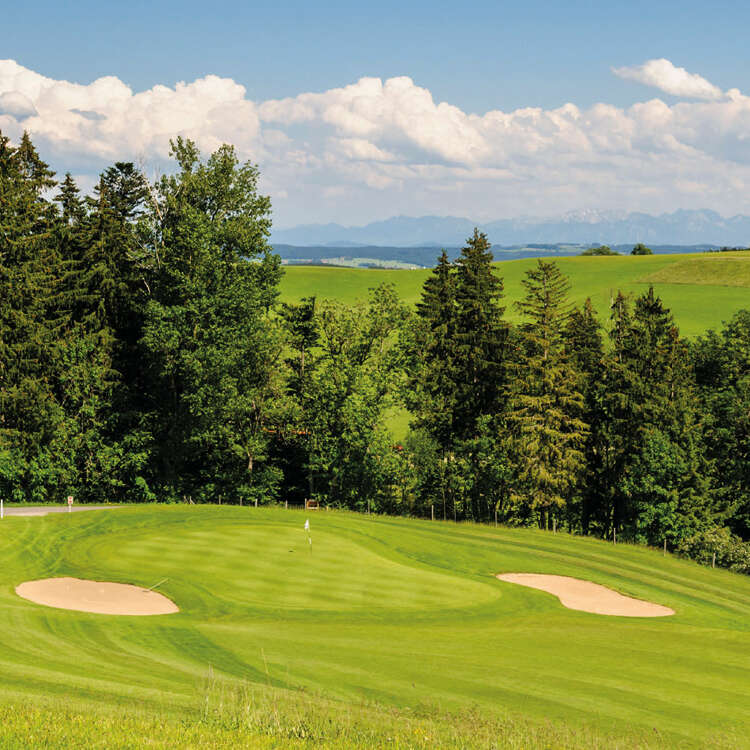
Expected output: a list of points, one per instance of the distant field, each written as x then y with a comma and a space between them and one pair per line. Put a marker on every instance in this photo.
702, 290
715, 270
383, 614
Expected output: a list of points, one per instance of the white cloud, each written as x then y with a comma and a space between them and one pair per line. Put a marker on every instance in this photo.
17, 105
105, 119
666, 77
376, 148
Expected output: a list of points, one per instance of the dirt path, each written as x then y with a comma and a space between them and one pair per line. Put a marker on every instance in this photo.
586, 596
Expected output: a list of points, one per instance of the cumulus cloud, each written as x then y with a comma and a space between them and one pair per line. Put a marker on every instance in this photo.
379, 147
665, 76
16, 104
106, 119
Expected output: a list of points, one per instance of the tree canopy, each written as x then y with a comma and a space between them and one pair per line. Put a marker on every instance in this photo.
145, 356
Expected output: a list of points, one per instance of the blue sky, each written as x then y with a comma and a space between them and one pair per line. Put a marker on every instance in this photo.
477, 57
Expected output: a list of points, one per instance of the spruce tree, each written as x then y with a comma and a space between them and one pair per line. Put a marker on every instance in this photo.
431, 393
647, 402
722, 365
584, 343
480, 336
546, 405
29, 328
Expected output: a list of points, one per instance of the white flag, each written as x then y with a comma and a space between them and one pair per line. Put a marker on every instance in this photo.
307, 524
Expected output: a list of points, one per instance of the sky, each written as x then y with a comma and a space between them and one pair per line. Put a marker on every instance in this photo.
358, 112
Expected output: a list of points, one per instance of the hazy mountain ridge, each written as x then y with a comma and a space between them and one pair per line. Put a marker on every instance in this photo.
683, 227
362, 256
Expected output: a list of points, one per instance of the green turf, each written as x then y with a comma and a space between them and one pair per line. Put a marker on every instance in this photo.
694, 286
400, 612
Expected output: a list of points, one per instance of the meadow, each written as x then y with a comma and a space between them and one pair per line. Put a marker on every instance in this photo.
702, 290
384, 632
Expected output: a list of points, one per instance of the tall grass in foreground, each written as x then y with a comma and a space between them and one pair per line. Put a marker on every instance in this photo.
257, 718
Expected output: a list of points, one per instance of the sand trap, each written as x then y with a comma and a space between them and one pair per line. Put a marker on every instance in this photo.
574, 593
96, 596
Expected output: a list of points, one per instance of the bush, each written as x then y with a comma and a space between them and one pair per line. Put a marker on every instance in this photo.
641, 249
731, 552
601, 250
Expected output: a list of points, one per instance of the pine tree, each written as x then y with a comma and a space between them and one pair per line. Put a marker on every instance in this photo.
647, 403
584, 343
480, 337
29, 273
722, 365
546, 404
583, 337
72, 207
431, 393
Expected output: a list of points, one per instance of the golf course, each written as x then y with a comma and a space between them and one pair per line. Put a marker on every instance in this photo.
701, 289
365, 632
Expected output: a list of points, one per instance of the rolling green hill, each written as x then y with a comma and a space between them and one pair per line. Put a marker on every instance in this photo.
702, 290
382, 615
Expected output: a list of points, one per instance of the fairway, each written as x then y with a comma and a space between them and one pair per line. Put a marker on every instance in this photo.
702, 290
402, 612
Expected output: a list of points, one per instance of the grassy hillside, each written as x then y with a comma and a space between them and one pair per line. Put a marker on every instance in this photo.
702, 290
382, 612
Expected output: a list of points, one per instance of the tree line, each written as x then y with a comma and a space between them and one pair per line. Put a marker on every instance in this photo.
145, 356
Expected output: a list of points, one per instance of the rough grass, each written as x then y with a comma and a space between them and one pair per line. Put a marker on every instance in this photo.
697, 302
259, 719
393, 614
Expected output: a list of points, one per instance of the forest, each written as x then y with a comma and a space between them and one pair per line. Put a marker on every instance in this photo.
145, 356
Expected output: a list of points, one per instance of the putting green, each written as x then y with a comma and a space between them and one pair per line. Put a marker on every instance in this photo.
400, 611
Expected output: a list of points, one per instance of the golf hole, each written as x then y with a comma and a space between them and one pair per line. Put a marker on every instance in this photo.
586, 596
98, 597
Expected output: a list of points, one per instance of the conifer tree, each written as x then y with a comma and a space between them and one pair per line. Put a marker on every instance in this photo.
722, 364
546, 404
647, 403
29, 270
480, 337
583, 341
431, 392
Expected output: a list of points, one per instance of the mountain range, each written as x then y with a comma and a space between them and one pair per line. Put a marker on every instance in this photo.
683, 227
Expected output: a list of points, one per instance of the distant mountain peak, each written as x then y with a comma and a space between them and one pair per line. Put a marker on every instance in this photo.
682, 227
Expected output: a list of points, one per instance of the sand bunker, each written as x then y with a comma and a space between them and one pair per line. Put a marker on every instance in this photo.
574, 593
96, 596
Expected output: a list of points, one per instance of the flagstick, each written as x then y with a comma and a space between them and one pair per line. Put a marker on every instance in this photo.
309, 537
163, 580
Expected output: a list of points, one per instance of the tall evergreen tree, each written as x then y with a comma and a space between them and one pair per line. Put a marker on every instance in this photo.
480, 336
648, 404
431, 393
722, 364
546, 406
29, 328
584, 343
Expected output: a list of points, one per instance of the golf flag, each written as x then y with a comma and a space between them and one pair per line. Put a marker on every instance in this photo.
307, 529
